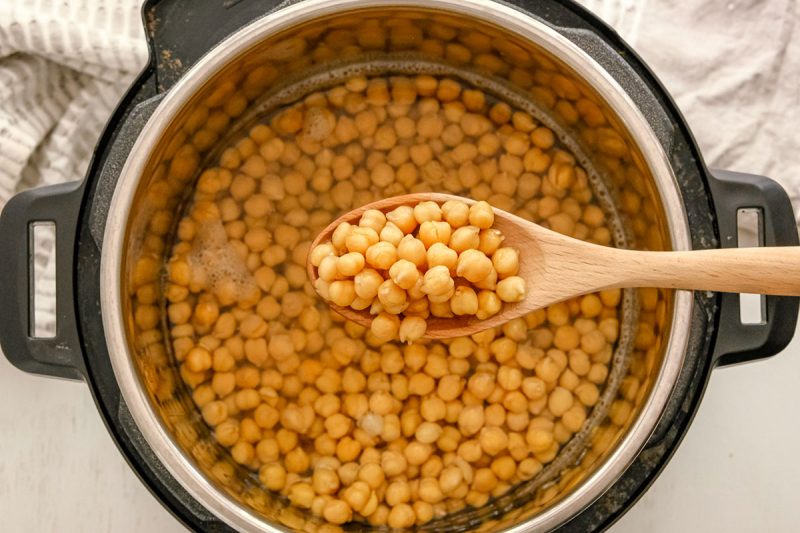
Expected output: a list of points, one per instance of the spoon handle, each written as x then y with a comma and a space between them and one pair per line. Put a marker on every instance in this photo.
767, 270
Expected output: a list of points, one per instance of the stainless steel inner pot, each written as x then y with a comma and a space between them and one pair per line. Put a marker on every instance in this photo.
281, 45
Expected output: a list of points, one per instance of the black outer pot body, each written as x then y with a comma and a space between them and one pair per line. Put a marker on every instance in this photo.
79, 210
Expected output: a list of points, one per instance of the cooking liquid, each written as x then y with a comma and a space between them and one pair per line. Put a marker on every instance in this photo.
294, 90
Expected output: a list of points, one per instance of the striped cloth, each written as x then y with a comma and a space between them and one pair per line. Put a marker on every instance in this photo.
63, 68
733, 67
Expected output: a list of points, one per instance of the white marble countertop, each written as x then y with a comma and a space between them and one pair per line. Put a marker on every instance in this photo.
736, 470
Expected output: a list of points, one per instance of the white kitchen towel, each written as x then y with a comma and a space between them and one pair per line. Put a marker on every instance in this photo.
732, 66
63, 67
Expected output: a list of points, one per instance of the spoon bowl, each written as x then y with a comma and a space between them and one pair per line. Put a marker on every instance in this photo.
557, 267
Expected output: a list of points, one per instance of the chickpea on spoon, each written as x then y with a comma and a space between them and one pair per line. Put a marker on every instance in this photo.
453, 267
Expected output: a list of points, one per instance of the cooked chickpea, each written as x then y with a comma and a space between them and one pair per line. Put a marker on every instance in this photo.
337, 512
506, 262
342, 293
481, 215
372, 474
412, 328
301, 495
427, 211
560, 401
366, 283
489, 241
404, 273
489, 304
428, 432
455, 213
296, 461
273, 476
437, 281
374, 219
397, 492
335, 416
359, 239
465, 238
429, 490
471, 419
393, 463
511, 289
381, 255
328, 269
401, 516
416, 453
464, 301
215, 412
433, 409
385, 326
350, 264
412, 249
390, 295
391, 234
338, 425
198, 359
403, 217
431, 232
504, 468
473, 265
440, 254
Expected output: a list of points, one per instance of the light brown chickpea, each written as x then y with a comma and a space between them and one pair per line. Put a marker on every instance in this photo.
289, 386
464, 301
273, 476
431, 232
511, 289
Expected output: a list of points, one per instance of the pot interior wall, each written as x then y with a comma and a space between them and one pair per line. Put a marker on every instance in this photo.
393, 41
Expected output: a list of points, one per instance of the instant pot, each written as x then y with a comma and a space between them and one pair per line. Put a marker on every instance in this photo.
201, 52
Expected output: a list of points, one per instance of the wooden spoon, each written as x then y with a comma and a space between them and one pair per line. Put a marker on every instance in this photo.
556, 268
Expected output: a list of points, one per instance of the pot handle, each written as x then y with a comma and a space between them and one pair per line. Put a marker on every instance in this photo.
737, 342
60, 355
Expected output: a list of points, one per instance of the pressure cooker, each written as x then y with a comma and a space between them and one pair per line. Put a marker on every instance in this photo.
200, 51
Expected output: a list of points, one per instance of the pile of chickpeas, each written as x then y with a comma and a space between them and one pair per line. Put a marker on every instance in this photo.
406, 262
327, 414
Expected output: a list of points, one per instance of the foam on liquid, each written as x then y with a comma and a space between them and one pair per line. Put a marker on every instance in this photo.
214, 256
